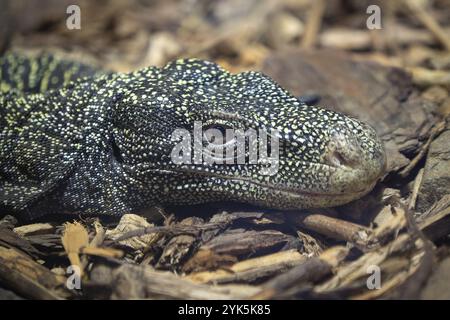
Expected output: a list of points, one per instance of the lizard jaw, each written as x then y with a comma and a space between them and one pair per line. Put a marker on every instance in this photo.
291, 199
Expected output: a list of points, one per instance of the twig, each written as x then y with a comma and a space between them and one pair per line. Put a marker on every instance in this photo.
410, 289
99, 235
426, 77
415, 191
313, 24
334, 228
429, 22
436, 130
172, 229
311, 271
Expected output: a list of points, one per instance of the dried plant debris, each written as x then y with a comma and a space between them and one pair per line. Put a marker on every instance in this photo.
436, 179
239, 262
392, 243
130, 222
74, 238
28, 278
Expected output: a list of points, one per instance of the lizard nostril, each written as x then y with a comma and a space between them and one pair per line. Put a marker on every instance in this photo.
337, 159
343, 150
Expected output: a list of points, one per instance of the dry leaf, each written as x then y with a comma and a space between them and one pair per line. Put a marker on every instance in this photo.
74, 238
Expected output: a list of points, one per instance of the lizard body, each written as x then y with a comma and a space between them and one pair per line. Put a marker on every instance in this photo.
79, 140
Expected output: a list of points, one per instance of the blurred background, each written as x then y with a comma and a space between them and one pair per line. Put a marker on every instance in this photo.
125, 35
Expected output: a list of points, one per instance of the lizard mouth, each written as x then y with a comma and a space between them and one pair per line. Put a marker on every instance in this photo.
294, 192
279, 195
284, 198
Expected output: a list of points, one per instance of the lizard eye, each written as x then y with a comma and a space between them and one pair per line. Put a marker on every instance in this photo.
218, 134
219, 143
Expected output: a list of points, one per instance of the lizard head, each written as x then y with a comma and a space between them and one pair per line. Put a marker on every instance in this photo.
208, 125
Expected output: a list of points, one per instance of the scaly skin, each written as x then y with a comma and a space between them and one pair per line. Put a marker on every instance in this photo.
76, 140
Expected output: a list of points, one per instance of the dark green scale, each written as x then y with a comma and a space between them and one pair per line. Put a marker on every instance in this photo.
78, 140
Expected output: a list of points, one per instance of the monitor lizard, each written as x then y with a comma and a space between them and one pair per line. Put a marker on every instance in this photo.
76, 139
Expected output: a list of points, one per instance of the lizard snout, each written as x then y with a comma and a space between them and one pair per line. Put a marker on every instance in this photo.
358, 156
343, 150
